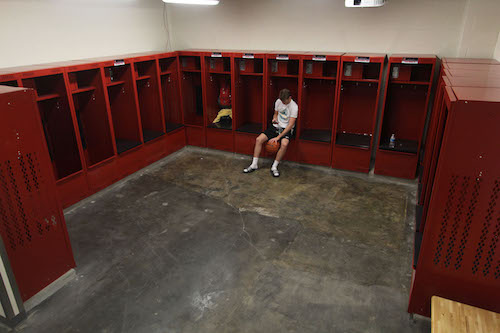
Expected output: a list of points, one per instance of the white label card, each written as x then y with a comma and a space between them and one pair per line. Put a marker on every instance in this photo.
282, 57
119, 62
362, 59
216, 55
319, 58
248, 56
410, 61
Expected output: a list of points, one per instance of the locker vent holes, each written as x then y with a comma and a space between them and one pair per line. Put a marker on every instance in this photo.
16, 221
457, 219
491, 213
468, 222
446, 217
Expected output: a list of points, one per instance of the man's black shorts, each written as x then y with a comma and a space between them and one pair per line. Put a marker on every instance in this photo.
272, 132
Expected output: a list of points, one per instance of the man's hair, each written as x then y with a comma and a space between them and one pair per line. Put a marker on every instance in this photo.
285, 94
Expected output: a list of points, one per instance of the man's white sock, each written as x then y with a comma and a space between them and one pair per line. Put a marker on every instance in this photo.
255, 163
275, 165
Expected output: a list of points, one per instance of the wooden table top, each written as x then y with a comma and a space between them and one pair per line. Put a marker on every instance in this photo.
450, 316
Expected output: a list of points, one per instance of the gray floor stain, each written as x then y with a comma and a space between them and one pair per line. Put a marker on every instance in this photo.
194, 245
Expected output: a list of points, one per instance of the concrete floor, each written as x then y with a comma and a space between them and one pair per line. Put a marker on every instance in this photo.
191, 244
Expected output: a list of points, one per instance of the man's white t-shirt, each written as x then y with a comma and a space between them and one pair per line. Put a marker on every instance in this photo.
285, 112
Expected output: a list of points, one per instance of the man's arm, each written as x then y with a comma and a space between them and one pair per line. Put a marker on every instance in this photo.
288, 128
275, 117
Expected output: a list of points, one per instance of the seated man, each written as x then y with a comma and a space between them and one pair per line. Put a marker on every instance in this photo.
282, 130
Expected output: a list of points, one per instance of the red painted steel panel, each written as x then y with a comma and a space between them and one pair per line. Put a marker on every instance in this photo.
220, 139
245, 143
460, 256
32, 223
314, 153
176, 140
354, 159
72, 189
155, 150
195, 136
396, 164
102, 175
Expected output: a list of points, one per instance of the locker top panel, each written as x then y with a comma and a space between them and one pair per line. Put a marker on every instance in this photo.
477, 94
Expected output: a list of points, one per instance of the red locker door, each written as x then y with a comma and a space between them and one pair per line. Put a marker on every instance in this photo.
31, 221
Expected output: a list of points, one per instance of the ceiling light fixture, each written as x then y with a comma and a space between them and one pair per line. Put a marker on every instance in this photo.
194, 2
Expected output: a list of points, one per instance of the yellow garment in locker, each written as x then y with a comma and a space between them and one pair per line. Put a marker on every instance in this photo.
222, 113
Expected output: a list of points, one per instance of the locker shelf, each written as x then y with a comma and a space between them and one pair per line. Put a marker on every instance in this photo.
143, 77
47, 97
316, 135
353, 140
250, 128
82, 90
115, 83
220, 126
151, 135
320, 78
402, 146
172, 126
284, 75
360, 80
251, 74
410, 82
219, 72
123, 145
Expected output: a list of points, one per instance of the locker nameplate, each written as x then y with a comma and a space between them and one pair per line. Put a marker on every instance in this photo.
119, 62
410, 61
216, 55
319, 58
248, 56
362, 59
282, 57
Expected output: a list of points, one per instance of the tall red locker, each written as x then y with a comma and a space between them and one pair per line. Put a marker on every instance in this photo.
460, 255
32, 223
356, 110
407, 95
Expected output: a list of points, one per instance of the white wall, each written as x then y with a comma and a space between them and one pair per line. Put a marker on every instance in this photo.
423, 26
480, 29
496, 55
38, 31
441, 27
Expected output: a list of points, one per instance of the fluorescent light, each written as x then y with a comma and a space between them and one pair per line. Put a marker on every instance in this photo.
194, 2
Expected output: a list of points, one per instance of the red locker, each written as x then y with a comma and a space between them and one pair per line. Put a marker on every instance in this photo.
459, 255
356, 110
32, 223
406, 101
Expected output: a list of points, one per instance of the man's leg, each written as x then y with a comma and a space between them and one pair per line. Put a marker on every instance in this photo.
256, 153
282, 151
258, 144
279, 156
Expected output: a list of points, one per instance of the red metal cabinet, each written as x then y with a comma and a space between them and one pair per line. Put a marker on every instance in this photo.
356, 111
459, 256
249, 87
61, 130
218, 77
319, 83
407, 92
191, 87
31, 219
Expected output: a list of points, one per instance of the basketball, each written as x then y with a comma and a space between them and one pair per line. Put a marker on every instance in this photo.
272, 147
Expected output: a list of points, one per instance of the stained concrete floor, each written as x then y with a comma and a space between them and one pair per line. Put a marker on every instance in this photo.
191, 244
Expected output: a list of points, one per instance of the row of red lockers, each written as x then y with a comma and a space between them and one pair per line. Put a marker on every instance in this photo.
91, 177
457, 252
